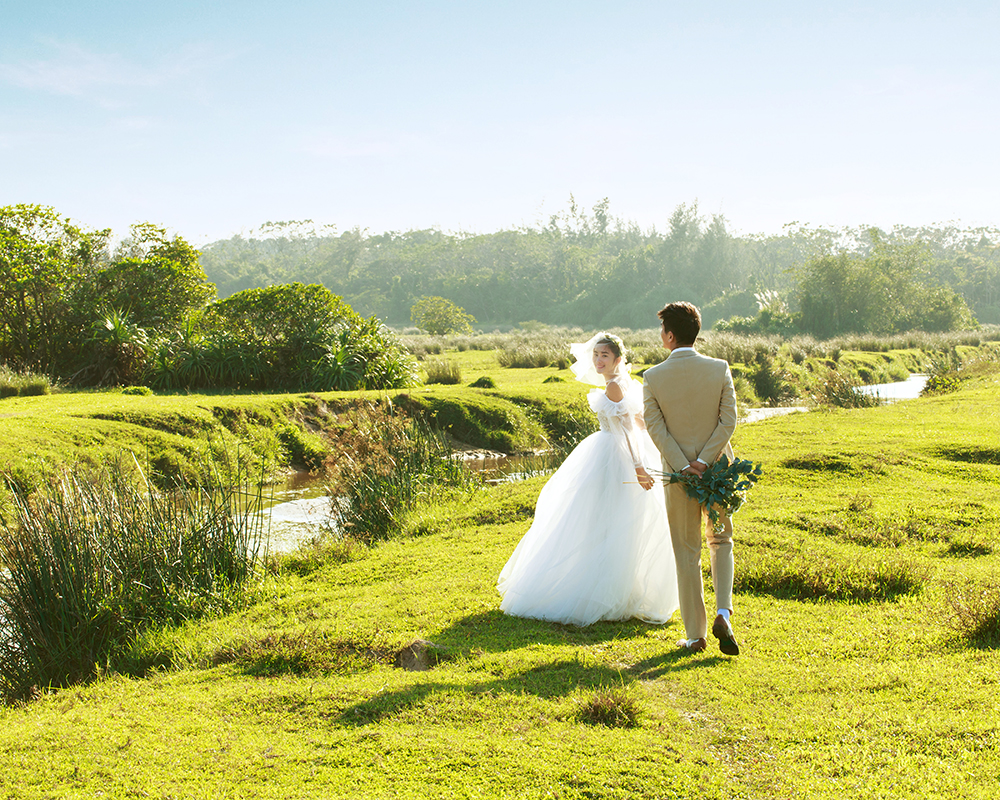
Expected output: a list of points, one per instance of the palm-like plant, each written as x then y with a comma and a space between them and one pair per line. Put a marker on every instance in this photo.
119, 350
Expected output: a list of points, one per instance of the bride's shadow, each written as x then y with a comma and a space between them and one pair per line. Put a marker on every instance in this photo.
478, 636
495, 632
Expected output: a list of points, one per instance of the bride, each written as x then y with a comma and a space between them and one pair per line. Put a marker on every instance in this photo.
599, 546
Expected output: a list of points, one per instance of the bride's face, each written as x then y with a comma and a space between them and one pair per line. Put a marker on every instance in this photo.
605, 360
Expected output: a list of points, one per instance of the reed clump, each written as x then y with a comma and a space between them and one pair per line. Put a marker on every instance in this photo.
818, 576
381, 462
843, 390
612, 707
98, 556
23, 384
443, 371
974, 613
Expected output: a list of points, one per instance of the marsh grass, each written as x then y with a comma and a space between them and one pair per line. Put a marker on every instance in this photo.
841, 390
381, 462
612, 707
816, 575
23, 384
101, 554
529, 356
974, 612
306, 652
442, 370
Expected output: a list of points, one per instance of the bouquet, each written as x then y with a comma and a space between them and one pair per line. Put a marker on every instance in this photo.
722, 487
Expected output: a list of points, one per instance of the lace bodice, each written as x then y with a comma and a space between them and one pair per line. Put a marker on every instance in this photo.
622, 418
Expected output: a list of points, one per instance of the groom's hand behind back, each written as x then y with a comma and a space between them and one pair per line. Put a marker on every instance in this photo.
696, 467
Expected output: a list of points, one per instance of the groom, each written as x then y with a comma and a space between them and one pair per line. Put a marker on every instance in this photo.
690, 413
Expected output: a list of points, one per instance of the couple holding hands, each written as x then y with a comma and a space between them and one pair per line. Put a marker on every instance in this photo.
602, 546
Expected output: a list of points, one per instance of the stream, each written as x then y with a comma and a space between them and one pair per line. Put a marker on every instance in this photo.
300, 508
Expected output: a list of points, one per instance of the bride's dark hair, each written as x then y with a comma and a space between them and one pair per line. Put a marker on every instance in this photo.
617, 345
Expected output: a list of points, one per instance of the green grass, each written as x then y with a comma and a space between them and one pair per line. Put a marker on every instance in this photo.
861, 683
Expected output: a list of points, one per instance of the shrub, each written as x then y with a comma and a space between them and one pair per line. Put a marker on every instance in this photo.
484, 382
382, 461
771, 381
143, 391
843, 391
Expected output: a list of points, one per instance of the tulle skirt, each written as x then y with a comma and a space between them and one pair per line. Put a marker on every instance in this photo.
599, 546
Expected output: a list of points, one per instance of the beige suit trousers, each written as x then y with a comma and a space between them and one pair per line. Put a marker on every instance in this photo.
686, 517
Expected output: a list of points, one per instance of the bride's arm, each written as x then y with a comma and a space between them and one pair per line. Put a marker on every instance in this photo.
622, 427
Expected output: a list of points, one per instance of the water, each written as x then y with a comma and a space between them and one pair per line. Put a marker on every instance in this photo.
299, 510
909, 389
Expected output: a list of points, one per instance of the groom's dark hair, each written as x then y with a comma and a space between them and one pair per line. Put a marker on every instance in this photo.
683, 320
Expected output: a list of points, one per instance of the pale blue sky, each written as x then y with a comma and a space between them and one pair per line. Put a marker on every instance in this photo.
212, 118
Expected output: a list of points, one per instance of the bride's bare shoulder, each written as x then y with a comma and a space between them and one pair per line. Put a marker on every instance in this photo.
614, 391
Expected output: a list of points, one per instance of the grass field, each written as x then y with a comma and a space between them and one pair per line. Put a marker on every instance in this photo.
299, 696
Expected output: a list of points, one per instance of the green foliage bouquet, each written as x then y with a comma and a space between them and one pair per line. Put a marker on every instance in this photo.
722, 487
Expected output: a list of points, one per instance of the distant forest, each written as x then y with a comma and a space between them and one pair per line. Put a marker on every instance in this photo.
587, 268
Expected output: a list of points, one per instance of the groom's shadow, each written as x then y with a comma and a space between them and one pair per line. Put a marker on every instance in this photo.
479, 636
495, 632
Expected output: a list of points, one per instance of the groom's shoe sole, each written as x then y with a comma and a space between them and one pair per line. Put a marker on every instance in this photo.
723, 631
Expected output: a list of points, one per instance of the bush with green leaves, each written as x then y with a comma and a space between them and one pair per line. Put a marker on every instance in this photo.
289, 337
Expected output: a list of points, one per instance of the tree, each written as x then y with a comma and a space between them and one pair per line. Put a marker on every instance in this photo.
885, 291
43, 261
439, 316
155, 278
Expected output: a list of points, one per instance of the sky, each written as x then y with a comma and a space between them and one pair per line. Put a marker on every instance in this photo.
212, 118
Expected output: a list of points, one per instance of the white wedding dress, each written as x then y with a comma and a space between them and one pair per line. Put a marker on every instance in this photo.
599, 547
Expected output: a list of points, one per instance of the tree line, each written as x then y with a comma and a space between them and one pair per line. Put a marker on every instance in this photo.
588, 268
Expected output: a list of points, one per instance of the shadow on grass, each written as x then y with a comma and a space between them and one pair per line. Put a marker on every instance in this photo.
546, 681
494, 632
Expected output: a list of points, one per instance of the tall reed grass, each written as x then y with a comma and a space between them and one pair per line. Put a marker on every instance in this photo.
442, 370
24, 384
382, 461
843, 390
100, 555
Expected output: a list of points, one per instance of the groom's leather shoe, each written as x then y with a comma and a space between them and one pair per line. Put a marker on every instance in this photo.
723, 631
692, 645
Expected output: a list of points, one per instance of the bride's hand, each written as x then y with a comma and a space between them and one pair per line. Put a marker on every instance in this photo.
645, 480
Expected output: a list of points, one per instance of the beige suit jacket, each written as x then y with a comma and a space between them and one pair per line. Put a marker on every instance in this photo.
690, 408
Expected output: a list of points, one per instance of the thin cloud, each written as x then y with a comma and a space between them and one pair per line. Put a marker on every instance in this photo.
76, 72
